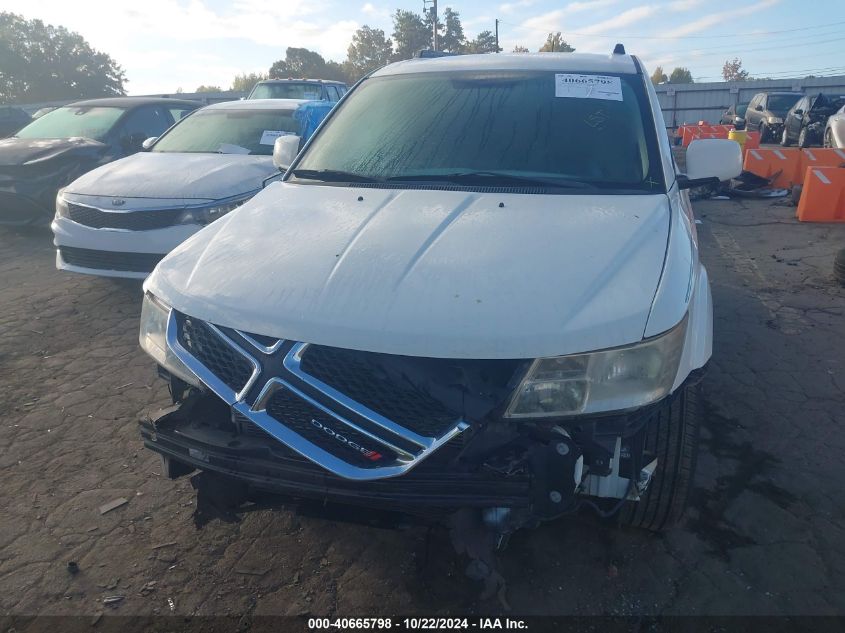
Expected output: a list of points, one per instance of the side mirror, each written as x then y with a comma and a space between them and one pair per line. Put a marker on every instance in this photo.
759, 107
149, 143
798, 112
710, 161
285, 150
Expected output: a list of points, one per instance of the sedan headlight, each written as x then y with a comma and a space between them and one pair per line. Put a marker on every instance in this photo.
153, 339
609, 380
207, 215
61, 204
774, 120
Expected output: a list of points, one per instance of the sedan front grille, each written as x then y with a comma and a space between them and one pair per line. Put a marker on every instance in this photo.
126, 220
110, 260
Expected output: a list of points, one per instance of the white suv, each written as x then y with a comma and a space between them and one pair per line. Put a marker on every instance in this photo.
477, 287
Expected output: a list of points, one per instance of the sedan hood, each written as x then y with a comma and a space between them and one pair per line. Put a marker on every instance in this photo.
446, 274
29, 151
176, 175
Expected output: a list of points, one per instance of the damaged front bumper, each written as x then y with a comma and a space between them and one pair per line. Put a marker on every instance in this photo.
518, 476
422, 436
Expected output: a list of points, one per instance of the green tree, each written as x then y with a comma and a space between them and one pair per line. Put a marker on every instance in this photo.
519, 48
369, 50
41, 62
410, 34
658, 76
299, 63
733, 70
245, 81
204, 88
556, 44
335, 72
680, 76
452, 38
484, 42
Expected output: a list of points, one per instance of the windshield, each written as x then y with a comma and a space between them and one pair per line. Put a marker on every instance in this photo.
510, 125
229, 132
780, 104
287, 90
88, 121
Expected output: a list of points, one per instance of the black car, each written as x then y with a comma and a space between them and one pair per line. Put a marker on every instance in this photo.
12, 118
805, 121
316, 89
735, 115
766, 112
58, 147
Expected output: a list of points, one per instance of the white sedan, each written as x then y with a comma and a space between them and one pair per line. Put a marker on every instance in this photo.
119, 220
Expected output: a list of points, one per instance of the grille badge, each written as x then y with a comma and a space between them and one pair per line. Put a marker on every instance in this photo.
118, 202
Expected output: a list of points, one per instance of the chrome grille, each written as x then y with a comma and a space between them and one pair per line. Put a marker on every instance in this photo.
261, 379
356, 375
213, 352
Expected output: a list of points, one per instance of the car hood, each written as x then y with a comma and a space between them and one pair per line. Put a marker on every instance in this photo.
446, 274
31, 151
176, 175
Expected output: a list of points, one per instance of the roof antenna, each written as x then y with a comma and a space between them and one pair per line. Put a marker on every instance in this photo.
619, 49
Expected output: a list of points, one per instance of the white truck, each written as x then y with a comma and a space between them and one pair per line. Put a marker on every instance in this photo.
477, 289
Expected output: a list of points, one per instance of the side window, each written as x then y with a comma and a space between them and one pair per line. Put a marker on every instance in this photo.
332, 92
177, 114
146, 121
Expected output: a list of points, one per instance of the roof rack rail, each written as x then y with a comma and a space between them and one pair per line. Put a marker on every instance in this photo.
427, 53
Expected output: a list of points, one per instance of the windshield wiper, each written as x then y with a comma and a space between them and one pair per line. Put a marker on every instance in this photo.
486, 177
333, 175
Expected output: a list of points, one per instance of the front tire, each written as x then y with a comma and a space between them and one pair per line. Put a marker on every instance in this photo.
673, 438
784, 139
764, 133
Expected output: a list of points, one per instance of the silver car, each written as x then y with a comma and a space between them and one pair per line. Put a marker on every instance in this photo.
834, 131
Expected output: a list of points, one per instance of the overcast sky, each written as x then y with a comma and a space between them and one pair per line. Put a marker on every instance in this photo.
167, 44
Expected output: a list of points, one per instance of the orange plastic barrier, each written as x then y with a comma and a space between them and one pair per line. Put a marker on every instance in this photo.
783, 165
753, 141
823, 157
823, 195
689, 133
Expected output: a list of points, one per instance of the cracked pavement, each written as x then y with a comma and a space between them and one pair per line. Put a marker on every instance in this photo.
765, 533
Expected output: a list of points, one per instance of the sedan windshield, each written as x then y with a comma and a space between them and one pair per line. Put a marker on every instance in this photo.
502, 128
229, 132
88, 121
287, 90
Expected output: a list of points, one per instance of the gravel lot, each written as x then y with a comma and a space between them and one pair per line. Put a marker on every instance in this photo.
765, 533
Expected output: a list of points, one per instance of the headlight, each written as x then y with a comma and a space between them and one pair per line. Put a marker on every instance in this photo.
153, 339
207, 215
774, 120
61, 204
609, 380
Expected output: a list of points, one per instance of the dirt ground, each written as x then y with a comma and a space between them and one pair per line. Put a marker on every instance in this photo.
765, 533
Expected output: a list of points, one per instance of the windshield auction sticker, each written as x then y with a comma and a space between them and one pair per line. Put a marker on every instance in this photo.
269, 136
588, 87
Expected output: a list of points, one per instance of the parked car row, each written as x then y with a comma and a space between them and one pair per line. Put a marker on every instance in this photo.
69, 141
120, 219
792, 117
